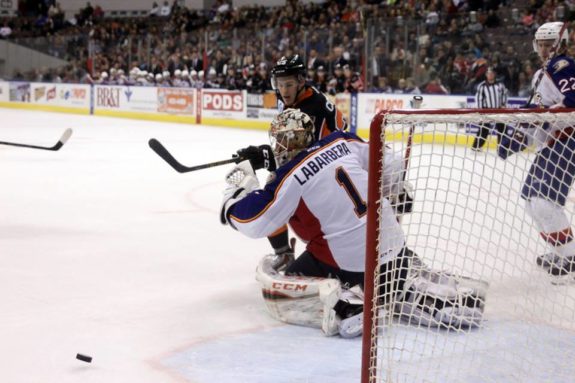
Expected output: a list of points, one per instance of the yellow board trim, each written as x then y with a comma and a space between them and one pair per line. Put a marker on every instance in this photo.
449, 138
147, 116
255, 124
45, 108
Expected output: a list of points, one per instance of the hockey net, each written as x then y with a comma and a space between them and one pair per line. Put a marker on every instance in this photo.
469, 221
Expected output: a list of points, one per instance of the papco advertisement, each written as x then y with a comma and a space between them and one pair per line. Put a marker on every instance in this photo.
177, 101
73, 95
126, 98
369, 104
223, 104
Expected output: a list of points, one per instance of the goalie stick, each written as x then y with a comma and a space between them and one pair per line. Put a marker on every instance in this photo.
65, 136
545, 64
161, 151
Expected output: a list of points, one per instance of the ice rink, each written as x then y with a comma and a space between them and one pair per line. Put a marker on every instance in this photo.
107, 251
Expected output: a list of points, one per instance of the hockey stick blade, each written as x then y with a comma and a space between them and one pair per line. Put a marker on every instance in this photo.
161, 151
65, 136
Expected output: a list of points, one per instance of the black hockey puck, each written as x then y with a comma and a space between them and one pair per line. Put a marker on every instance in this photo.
84, 358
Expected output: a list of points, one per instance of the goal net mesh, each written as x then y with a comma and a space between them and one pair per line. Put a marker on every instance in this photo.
469, 222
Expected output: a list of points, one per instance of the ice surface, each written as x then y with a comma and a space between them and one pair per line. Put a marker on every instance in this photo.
107, 251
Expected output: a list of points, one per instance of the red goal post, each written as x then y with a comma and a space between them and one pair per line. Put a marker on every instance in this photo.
491, 202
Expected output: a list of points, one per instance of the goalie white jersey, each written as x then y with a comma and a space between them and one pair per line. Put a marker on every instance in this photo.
322, 193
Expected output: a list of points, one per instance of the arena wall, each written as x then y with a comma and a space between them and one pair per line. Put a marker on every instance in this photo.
215, 107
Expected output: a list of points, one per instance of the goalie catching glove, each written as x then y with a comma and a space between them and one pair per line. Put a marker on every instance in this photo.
241, 181
260, 157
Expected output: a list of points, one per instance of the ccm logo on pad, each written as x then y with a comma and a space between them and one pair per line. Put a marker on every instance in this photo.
288, 286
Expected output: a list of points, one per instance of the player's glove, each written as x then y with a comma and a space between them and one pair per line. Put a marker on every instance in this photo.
284, 256
513, 141
260, 157
241, 181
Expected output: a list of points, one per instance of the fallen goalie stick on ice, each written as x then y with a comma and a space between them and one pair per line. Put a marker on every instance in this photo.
63, 139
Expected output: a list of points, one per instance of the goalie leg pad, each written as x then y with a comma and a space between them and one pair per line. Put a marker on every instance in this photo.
436, 299
408, 261
305, 301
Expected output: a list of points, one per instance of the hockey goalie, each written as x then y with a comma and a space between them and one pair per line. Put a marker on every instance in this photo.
319, 189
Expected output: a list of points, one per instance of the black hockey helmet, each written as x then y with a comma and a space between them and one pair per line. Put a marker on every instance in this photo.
289, 66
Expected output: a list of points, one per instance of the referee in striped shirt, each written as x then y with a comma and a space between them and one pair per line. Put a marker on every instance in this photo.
490, 95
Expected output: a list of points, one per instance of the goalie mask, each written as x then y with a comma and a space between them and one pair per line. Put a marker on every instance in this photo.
291, 132
550, 32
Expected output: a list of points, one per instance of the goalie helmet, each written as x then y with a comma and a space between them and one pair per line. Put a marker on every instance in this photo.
291, 132
551, 31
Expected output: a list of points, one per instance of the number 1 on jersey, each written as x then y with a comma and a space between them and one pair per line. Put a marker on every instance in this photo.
345, 182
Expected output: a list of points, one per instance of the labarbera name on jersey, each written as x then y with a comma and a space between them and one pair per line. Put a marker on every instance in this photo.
318, 161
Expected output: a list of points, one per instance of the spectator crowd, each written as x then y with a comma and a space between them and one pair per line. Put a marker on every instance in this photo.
430, 47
